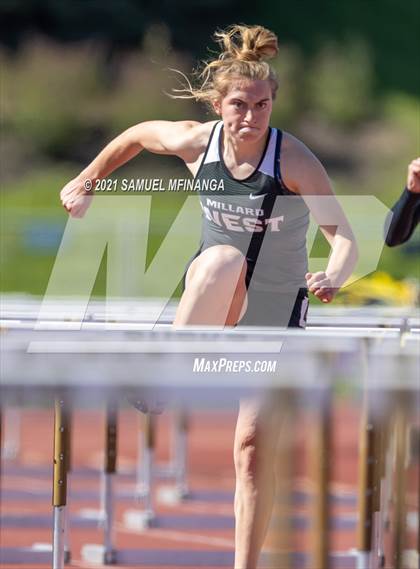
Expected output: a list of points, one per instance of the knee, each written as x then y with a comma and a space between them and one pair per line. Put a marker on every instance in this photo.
253, 457
245, 457
220, 265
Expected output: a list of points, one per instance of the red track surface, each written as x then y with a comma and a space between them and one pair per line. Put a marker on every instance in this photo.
210, 468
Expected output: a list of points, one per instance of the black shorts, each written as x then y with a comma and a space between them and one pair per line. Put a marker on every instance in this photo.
279, 309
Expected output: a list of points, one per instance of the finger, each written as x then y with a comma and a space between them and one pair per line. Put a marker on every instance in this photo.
319, 293
324, 284
66, 191
325, 298
330, 294
325, 293
315, 278
322, 292
414, 169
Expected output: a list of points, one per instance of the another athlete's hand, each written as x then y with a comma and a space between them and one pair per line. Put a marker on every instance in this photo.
413, 178
320, 285
76, 198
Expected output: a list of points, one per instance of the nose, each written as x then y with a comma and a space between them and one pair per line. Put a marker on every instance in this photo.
249, 115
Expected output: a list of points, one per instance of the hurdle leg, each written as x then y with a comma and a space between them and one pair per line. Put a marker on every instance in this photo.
366, 490
366, 469
321, 446
418, 518
12, 433
1, 441
400, 426
148, 457
67, 552
140, 467
1, 435
145, 460
108, 483
279, 541
60, 481
380, 484
177, 465
106, 553
142, 519
181, 451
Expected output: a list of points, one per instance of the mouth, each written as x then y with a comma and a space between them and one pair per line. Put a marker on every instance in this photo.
247, 128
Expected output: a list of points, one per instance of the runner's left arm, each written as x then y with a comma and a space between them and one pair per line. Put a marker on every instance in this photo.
307, 177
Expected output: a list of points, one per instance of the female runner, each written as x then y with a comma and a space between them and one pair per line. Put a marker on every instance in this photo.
251, 266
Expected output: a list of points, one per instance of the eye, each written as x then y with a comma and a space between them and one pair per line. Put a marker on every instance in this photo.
262, 104
237, 104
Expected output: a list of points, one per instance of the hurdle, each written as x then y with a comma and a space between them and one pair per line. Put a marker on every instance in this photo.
281, 536
389, 337
60, 462
134, 313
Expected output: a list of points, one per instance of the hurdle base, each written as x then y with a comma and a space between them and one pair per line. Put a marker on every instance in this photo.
139, 520
172, 495
42, 547
91, 515
362, 558
67, 556
96, 553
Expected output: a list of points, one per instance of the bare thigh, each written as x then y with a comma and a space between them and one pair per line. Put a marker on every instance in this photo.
216, 270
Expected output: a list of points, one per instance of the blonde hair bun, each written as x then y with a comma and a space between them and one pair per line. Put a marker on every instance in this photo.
247, 43
243, 51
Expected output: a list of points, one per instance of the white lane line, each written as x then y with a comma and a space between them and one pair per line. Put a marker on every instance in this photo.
87, 565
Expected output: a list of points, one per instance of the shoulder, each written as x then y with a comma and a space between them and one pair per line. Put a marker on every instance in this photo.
302, 172
197, 133
189, 139
296, 153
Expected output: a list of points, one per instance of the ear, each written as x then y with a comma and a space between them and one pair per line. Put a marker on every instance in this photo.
217, 106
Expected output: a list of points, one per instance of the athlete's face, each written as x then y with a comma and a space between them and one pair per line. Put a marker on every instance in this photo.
246, 109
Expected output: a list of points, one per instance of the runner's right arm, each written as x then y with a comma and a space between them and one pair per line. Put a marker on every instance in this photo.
183, 139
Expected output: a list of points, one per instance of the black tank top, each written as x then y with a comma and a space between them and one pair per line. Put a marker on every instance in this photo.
258, 215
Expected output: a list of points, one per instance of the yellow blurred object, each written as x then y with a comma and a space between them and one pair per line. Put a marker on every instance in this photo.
379, 288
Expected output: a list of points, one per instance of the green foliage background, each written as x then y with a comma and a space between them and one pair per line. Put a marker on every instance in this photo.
75, 74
